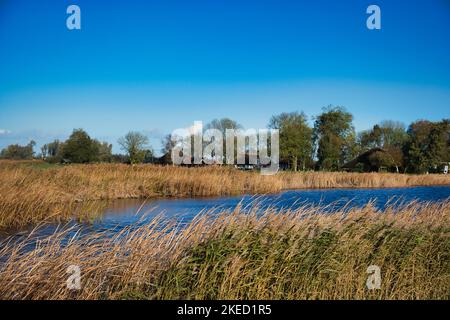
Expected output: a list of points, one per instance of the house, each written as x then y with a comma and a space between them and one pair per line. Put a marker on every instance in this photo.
375, 159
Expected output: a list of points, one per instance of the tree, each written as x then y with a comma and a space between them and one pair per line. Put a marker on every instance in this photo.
295, 138
385, 134
388, 135
334, 138
18, 152
54, 148
53, 151
369, 139
134, 143
119, 158
428, 145
350, 148
80, 148
148, 156
104, 151
44, 151
222, 125
167, 146
439, 148
393, 134
380, 159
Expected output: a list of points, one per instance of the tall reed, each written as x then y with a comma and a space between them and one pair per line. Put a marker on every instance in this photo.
293, 254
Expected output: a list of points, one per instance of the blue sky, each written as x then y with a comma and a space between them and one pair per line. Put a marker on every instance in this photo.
157, 65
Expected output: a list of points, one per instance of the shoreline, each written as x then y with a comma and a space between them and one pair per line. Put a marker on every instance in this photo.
29, 195
260, 194
109, 204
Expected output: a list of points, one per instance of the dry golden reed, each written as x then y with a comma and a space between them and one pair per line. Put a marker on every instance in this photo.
293, 254
30, 194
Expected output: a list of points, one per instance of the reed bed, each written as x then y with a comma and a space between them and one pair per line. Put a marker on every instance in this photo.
31, 193
292, 254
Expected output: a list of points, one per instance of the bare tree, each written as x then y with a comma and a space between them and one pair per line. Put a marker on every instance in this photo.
134, 144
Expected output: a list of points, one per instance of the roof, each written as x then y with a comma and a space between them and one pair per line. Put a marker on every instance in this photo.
363, 157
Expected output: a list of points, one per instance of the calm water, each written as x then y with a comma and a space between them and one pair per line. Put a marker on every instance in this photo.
121, 213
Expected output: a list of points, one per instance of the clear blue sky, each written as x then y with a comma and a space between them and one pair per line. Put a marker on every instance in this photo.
157, 65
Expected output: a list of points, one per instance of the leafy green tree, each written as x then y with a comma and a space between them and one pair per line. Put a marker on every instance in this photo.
18, 152
53, 151
134, 144
295, 138
383, 135
388, 135
104, 151
80, 148
54, 148
369, 139
380, 159
439, 149
149, 156
350, 148
428, 145
334, 137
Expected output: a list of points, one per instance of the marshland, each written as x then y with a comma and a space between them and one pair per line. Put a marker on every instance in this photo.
137, 227
32, 193
308, 235
135, 139
232, 254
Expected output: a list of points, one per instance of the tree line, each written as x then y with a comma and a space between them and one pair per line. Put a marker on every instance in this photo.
423, 146
81, 148
330, 144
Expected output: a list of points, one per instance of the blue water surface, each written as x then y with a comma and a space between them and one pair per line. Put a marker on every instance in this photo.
132, 212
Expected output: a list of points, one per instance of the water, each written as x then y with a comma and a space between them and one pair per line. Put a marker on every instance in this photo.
122, 213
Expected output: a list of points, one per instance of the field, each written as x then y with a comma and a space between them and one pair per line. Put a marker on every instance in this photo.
32, 192
299, 254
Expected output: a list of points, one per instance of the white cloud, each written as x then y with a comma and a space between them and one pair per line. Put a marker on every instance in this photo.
4, 131
197, 128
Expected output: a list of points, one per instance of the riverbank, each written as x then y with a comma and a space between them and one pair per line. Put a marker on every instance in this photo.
34, 193
299, 254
